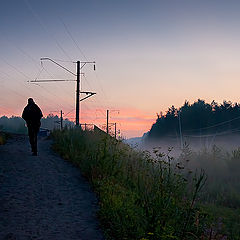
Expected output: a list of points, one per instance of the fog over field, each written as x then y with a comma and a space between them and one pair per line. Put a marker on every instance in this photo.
195, 143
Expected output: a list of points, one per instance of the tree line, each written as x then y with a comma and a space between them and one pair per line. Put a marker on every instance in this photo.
16, 124
197, 118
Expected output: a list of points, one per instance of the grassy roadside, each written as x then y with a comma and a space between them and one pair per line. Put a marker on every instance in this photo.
226, 220
140, 197
3, 138
221, 195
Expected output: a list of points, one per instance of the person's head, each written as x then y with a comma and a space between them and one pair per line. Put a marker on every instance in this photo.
30, 101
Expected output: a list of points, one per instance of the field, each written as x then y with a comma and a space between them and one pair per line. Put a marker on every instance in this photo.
145, 197
221, 194
219, 157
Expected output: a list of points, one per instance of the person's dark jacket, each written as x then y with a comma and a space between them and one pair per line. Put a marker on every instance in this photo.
32, 114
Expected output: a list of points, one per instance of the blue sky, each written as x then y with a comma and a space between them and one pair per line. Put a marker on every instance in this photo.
149, 54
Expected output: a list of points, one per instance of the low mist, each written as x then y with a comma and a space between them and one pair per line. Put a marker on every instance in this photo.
218, 156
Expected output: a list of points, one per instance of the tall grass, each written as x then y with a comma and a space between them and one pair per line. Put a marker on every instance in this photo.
140, 197
223, 170
221, 195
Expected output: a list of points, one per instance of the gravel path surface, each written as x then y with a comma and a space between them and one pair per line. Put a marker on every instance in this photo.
43, 197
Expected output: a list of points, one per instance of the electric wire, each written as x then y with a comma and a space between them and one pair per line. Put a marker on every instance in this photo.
71, 36
212, 135
45, 28
27, 77
52, 77
24, 53
40, 69
215, 125
82, 53
69, 112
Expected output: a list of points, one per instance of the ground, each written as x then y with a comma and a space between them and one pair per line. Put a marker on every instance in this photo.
43, 197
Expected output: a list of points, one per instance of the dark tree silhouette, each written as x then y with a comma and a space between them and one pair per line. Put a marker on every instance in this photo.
17, 124
197, 118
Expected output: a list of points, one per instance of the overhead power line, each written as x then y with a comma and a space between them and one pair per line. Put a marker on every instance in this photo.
41, 68
213, 135
53, 80
45, 28
82, 53
212, 126
74, 41
20, 72
80, 65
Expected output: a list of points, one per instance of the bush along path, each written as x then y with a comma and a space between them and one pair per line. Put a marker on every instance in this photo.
141, 197
43, 197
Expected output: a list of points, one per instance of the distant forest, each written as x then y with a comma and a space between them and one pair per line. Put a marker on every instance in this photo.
197, 118
17, 124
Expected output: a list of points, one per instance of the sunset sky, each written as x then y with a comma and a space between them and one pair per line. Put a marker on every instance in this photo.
149, 55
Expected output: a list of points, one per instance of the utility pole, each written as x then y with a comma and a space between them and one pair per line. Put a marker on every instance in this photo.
78, 93
61, 120
115, 130
107, 119
80, 65
115, 124
180, 128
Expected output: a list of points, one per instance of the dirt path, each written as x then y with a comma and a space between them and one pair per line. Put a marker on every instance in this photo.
43, 197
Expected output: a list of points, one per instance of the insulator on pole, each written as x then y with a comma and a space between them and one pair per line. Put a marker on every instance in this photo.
94, 67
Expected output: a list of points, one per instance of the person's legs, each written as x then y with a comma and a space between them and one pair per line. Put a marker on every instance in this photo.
31, 137
35, 133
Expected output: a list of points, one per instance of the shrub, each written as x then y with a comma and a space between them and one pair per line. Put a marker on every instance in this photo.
3, 138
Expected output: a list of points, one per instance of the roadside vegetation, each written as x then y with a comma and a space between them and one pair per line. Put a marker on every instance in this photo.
3, 138
221, 194
144, 197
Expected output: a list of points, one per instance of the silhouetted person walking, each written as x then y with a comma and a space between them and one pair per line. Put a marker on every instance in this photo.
32, 114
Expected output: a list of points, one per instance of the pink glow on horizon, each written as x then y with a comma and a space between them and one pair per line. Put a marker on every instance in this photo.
130, 122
